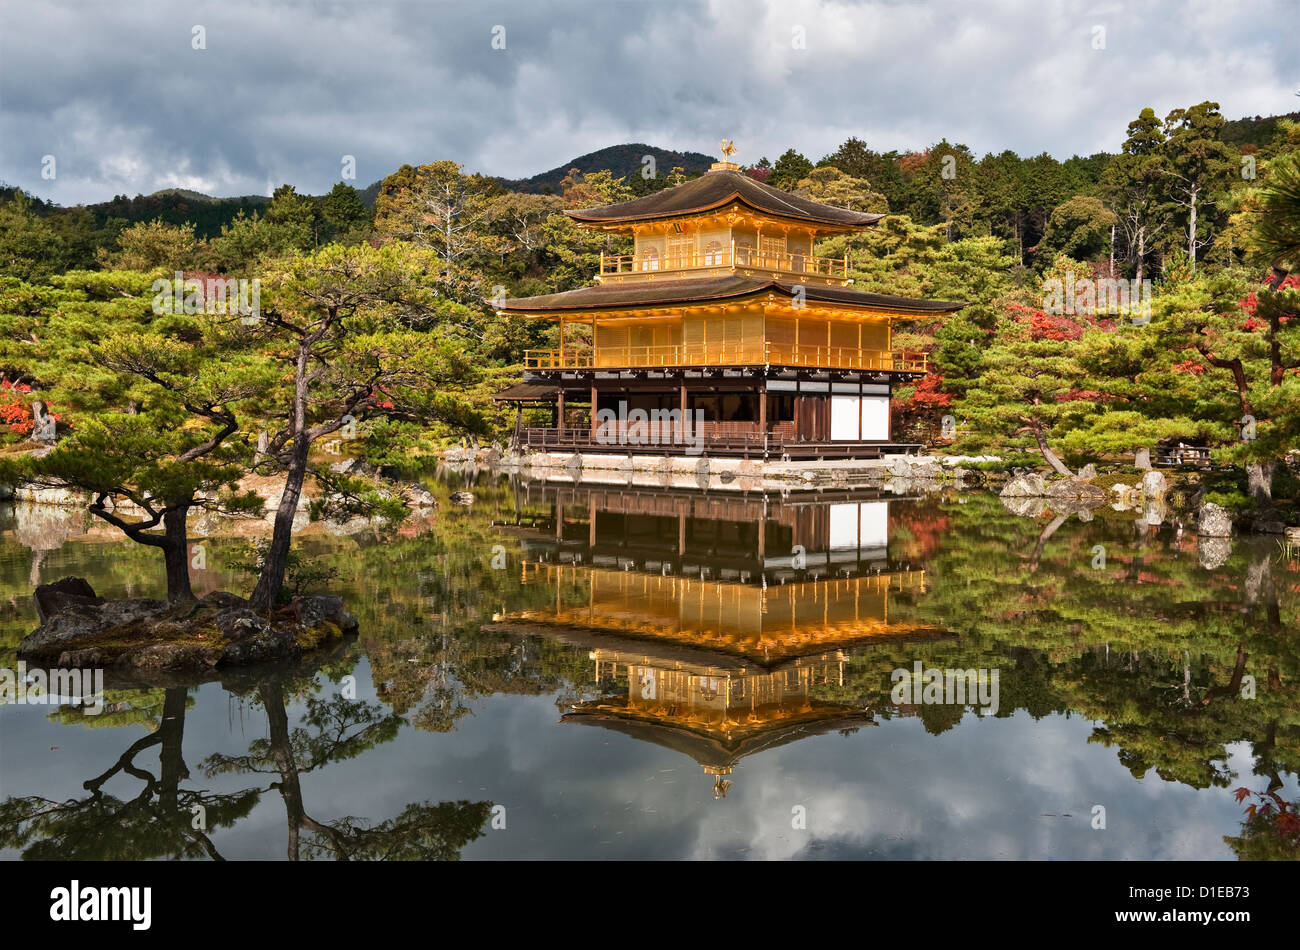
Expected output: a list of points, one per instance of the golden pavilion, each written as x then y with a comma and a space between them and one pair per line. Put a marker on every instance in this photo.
722, 330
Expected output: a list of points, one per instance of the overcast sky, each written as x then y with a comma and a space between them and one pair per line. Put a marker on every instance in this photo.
116, 93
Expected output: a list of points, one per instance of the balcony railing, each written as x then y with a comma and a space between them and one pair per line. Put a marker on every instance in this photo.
732, 256
846, 357
730, 354
719, 438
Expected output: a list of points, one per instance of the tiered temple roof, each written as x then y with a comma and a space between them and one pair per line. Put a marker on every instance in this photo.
693, 290
717, 189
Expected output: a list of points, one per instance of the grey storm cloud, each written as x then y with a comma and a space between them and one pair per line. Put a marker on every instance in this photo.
125, 104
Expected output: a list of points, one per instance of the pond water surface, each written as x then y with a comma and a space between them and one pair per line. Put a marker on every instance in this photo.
596, 672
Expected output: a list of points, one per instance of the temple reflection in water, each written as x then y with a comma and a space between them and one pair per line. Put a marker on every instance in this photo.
720, 625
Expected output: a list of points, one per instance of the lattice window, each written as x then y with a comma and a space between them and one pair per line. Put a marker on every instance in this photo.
681, 250
772, 249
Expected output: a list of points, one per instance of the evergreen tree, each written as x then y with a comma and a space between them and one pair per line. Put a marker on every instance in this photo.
155, 396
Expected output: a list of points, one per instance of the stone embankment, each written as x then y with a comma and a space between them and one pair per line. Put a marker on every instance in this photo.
1030, 495
716, 473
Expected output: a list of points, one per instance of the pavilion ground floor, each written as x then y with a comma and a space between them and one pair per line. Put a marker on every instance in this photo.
760, 412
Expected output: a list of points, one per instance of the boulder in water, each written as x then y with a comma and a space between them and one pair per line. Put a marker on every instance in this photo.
65, 592
1212, 521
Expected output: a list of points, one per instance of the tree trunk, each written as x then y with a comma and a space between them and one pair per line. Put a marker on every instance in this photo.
1048, 454
1191, 232
1141, 252
1259, 482
171, 760
44, 428
1261, 590
263, 442
1233, 686
176, 556
1043, 537
290, 788
271, 578
516, 437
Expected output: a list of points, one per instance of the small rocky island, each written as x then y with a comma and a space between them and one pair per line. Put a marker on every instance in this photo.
81, 630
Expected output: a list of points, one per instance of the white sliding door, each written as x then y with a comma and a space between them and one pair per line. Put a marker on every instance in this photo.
875, 418
844, 418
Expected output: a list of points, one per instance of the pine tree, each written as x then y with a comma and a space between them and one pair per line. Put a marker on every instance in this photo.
338, 323
154, 399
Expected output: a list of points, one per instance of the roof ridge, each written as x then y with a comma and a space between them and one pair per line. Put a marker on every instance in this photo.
714, 190
714, 288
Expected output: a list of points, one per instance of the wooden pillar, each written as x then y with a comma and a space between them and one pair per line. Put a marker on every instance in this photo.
559, 412
591, 521
561, 341
681, 534
680, 435
889, 415
593, 408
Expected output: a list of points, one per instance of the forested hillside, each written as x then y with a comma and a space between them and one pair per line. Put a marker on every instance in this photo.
1198, 212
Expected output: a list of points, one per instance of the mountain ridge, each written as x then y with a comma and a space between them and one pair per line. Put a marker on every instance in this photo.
624, 161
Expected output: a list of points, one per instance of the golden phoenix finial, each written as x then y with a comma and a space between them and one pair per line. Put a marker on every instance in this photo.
728, 148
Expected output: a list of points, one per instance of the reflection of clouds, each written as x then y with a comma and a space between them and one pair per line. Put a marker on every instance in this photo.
301, 89
981, 790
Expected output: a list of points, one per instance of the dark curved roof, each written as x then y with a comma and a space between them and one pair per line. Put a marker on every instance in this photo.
644, 293
713, 751
718, 188
527, 392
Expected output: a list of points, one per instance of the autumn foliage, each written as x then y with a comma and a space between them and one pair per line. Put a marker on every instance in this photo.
15, 407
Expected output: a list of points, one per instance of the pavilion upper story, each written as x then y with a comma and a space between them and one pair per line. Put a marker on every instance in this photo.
724, 223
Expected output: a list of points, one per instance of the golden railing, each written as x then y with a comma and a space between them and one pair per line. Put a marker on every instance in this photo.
733, 256
846, 357
668, 354
730, 354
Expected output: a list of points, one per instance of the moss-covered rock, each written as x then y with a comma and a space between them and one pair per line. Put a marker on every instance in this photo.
149, 636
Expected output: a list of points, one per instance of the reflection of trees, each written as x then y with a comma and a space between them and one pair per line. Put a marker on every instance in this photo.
335, 730
422, 604
158, 821
1271, 830
1154, 648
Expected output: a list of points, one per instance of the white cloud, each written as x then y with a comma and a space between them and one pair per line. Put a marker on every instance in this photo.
281, 94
